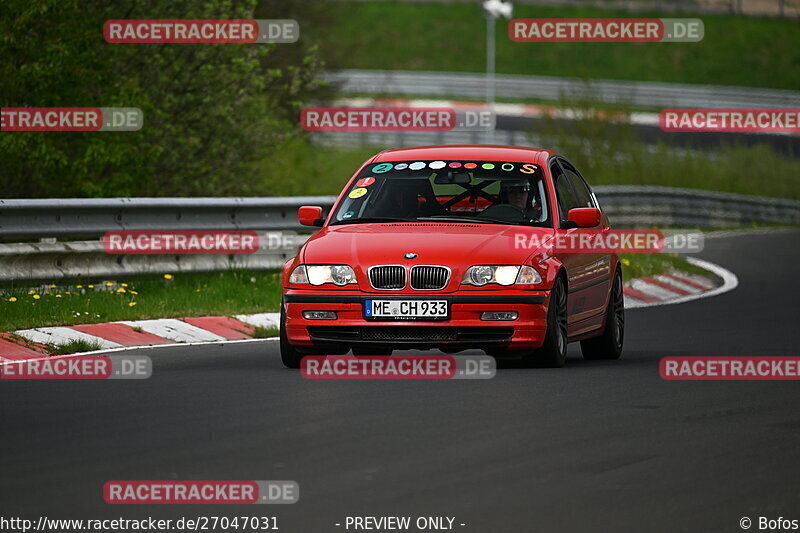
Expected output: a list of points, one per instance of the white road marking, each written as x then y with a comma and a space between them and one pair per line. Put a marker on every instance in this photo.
145, 347
653, 290
174, 329
677, 284
62, 335
261, 320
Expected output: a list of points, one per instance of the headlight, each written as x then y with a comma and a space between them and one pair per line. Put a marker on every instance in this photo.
480, 275
299, 275
528, 276
321, 274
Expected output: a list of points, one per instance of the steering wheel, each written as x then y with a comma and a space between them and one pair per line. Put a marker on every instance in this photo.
503, 212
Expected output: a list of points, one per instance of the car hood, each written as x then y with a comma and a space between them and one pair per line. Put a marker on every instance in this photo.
451, 244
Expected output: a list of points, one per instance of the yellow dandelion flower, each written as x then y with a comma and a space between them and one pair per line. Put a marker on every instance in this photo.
168, 276
12, 299
626, 262
124, 284
90, 286
121, 290
36, 296
58, 296
78, 286
133, 292
131, 304
31, 291
52, 286
109, 284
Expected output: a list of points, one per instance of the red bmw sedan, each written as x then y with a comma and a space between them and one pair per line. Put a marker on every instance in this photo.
446, 247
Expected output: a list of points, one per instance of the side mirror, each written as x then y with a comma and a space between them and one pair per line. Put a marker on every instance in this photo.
310, 215
584, 217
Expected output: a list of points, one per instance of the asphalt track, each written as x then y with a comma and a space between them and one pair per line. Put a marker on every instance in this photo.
595, 446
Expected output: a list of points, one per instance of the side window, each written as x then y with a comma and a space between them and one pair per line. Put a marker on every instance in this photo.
564, 194
583, 196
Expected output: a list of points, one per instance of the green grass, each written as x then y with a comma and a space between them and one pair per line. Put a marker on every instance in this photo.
746, 51
152, 296
260, 332
641, 265
726, 170
605, 158
73, 346
298, 168
611, 154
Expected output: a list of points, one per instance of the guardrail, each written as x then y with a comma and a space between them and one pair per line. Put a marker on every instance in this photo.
75, 217
647, 206
47, 220
638, 93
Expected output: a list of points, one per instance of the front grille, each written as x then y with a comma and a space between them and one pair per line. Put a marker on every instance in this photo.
387, 277
418, 334
414, 334
339, 333
430, 278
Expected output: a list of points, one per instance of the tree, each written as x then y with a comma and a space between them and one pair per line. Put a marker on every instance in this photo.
210, 110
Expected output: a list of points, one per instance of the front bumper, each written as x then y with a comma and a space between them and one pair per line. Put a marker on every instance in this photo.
463, 329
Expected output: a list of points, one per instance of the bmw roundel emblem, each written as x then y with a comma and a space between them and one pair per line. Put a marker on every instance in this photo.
410, 255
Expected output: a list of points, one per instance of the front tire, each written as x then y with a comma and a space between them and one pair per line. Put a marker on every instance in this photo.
609, 344
289, 355
553, 352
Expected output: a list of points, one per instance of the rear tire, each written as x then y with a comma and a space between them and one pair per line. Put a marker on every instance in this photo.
609, 344
289, 355
553, 352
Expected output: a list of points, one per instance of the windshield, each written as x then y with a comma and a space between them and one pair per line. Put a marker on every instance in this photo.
490, 192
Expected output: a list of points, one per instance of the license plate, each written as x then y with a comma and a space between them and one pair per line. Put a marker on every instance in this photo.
399, 309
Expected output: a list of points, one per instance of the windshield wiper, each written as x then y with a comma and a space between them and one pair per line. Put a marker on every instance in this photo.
366, 220
451, 218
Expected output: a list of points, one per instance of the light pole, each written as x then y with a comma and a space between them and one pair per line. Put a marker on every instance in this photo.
494, 9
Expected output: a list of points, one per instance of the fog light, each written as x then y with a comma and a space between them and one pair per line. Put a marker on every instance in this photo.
499, 315
319, 315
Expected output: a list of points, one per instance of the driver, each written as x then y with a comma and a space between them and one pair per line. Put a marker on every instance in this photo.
518, 194
515, 203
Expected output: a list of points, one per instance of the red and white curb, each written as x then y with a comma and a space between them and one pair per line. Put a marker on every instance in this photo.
663, 289
678, 287
123, 335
